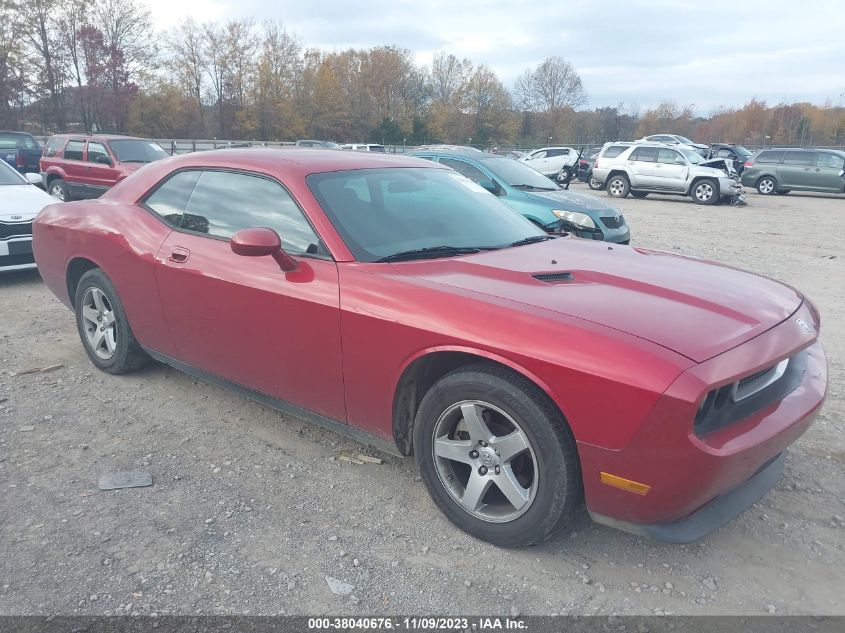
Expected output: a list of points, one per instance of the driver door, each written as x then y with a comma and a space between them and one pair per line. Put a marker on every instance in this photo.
243, 318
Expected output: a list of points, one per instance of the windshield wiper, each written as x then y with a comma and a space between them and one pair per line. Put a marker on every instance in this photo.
533, 187
432, 251
531, 240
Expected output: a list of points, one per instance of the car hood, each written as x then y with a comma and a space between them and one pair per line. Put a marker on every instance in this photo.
22, 200
696, 308
571, 201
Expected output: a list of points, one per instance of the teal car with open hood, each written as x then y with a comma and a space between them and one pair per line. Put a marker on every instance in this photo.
533, 195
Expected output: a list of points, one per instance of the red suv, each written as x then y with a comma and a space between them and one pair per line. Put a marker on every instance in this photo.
76, 166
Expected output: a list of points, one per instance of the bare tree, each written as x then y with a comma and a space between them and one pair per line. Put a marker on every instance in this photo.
189, 62
11, 53
554, 85
449, 77
41, 17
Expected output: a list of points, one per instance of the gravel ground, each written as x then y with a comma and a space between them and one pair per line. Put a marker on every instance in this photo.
250, 511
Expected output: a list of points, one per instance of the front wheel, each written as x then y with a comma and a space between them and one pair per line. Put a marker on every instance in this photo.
618, 186
706, 191
103, 327
594, 184
58, 189
497, 457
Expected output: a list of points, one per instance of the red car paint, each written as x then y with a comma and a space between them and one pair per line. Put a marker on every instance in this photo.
627, 350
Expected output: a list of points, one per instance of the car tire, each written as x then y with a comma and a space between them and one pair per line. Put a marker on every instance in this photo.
58, 189
618, 186
705, 191
564, 175
595, 185
519, 496
767, 185
783, 192
103, 327
639, 194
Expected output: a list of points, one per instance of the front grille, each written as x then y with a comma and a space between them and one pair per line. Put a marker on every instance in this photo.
613, 223
20, 229
16, 260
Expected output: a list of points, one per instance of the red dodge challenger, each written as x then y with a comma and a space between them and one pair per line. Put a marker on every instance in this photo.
398, 302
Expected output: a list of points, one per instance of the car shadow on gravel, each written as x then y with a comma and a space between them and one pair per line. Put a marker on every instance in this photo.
12, 278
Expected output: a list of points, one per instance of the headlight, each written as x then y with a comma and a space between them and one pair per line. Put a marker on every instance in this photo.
573, 217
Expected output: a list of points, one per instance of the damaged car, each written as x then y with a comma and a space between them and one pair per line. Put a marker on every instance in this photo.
647, 168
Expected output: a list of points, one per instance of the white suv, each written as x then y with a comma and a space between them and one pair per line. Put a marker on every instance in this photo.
645, 168
551, 161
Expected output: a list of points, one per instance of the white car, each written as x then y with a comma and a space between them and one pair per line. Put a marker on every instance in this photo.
20, 202
364, 147
551, 161
677, 140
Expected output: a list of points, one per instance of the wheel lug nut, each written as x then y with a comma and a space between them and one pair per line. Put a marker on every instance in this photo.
473, 454
482, 470
484, 443
498, 470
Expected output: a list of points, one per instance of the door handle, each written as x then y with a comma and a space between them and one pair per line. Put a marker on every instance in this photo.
178, 255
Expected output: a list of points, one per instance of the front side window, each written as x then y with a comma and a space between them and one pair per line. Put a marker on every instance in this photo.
462, 167
830, 160
670, 157
73, 150
223, 203
415, 208
537, 155
96, 151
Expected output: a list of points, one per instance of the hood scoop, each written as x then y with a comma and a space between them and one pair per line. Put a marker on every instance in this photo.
554, 278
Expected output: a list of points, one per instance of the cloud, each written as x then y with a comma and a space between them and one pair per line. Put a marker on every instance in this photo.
633, 51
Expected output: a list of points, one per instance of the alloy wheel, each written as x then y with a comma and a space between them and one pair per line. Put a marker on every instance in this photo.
703, 192
766, 186
99, 322
617, 187
57, 192
485, 461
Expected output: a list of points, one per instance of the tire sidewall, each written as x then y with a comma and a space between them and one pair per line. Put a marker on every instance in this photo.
559, 485
120, 360
713, 199
59, 184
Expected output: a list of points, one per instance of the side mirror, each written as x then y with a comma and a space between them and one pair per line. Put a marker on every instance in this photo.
33, 179
260, 242
492, 186
103, 160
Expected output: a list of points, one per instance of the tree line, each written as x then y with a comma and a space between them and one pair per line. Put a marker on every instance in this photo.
100, 65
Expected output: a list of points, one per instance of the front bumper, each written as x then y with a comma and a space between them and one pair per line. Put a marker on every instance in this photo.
687, 471
16, 254
619, 235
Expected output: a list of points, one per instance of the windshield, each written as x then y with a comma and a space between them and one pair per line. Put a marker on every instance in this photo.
684, 140
741, 151
694, 157
17, 141
382, 212
518, 174
137, 151
9, 176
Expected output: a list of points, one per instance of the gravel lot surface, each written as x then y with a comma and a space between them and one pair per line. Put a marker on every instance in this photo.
250, 511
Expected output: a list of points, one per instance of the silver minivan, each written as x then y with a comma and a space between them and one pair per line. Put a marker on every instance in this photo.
780, 170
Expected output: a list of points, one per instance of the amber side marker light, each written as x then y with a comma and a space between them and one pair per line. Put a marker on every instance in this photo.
625, 484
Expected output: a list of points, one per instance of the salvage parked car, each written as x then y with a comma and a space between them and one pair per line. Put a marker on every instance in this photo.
772, 171
552, 162
584, 168
737, 153
20, 150
317, 144
646, 168
678, 140
393, 300
77, 166
364, 147
20, 201
537, 198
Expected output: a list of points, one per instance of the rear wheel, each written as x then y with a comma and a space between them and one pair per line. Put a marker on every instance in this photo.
103, 327
706, 191
767, 185
618, 186
497, 457
564, 175
58, 189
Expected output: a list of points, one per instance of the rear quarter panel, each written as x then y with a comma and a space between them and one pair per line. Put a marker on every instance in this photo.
120, 239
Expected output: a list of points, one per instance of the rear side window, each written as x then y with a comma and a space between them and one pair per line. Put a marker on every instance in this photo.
171, 198
223, 203
470, 171
614, 150
644, 154
73, 150
769, 156
53, 146
800, 158
830, 160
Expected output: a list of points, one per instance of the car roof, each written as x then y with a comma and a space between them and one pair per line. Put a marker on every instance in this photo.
447, 150
104, 137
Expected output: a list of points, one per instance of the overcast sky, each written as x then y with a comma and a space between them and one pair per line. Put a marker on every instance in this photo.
705, 52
